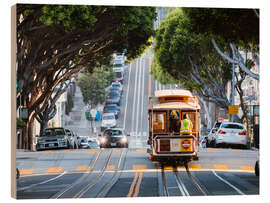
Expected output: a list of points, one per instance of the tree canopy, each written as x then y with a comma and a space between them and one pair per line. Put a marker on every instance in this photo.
54, 43
238, 26
93, 85
190, 58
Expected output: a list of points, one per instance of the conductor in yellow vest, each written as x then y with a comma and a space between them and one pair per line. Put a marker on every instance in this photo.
186, 126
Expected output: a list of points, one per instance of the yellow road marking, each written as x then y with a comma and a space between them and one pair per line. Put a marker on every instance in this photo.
110, 168
132, 185
194, 166
220, 167
168, 168
139, 167
116, 150
82, 168
247, 168
92, 150
47, 151
236, 150
55, 170
141, 150
70, 150
26, 171
137, 189
212, 150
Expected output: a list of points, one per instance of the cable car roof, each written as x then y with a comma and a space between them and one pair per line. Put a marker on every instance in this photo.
173, 92
176, 105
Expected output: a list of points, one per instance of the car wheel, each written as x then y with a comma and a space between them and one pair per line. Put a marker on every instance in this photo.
207, 144
214, 144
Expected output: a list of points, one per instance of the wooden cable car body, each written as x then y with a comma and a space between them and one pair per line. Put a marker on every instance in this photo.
166, 143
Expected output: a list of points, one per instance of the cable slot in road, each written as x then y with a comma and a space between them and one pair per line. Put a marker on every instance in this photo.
106, 187
61, 193
92, 183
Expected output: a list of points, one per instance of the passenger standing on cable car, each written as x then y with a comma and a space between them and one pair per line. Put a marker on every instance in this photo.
186, 126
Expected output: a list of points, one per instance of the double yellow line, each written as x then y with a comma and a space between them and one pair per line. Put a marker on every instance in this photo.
138, 176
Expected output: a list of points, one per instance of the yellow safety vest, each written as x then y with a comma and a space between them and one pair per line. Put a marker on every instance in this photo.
186, 127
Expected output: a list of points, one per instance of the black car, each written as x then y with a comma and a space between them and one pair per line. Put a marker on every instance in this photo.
113, 137
113, 98
112, 108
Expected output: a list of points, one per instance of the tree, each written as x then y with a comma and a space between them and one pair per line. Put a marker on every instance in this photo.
237, 27
54, 42
51, 110
190, 59
93, 85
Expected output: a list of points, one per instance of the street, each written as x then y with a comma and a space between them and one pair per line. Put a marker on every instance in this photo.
117, 172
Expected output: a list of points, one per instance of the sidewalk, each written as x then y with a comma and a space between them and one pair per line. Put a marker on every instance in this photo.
78, 122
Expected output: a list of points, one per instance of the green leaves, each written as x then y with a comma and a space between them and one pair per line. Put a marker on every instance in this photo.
93, 85
71, 17
239, 26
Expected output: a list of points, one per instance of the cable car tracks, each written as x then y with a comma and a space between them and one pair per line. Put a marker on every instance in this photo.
83, 185
184, 183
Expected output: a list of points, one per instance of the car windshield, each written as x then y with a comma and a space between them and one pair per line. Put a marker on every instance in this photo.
118, 74
84, 140
108, 117
110, 108
113, 94
53, 132
116, 85
232, 126
113, 132
118, 65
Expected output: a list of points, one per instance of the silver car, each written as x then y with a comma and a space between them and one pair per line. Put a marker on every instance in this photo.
52, 138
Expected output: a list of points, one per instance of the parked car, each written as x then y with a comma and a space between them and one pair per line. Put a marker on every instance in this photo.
211, 134
229, 133
93, 143
73, 141
83, 144
115, 89
113, 98
52, 138
112, 108
119, 74
113, 137
108, 121
117, 85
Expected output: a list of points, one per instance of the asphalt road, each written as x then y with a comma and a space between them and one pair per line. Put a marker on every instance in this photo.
96, 173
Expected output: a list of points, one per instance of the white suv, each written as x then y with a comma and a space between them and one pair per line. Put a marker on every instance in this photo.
229, 133
108, 121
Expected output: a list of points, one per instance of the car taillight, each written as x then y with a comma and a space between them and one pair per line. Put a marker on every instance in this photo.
242, 133
221, 132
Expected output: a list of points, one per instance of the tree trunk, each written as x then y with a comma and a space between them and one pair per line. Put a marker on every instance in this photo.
43, 125
29, 134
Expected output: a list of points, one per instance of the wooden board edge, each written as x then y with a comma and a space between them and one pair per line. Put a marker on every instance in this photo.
13, 102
